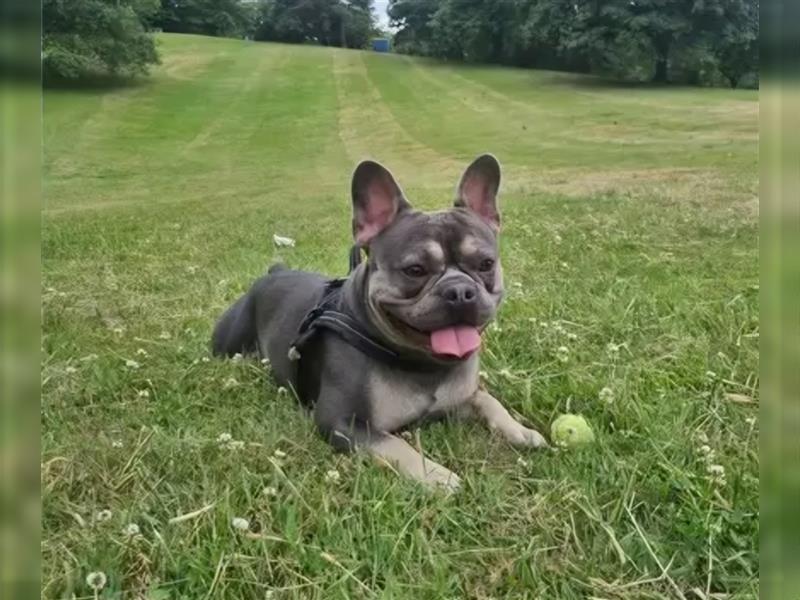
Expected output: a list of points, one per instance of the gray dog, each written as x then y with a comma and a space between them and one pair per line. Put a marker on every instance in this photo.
397, 341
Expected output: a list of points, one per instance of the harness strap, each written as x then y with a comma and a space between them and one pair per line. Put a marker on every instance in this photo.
325, 315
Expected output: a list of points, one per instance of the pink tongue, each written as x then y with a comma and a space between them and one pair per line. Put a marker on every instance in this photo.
455, 341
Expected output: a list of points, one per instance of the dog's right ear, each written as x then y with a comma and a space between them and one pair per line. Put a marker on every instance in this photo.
377, 200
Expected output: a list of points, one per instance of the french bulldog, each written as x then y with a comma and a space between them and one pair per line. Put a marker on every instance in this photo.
430, 285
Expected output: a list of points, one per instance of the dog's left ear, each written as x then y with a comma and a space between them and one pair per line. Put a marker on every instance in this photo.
478, 188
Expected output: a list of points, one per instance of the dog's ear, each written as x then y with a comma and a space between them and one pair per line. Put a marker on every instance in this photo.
377, 200
478, 187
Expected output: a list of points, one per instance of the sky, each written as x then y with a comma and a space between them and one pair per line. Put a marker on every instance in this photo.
380, 12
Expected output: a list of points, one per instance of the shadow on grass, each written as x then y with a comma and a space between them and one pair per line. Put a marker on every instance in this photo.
95, 83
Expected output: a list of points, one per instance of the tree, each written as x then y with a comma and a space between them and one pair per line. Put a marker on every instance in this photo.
473, 30
224, 18
737, 47
83, 38
345, 23
412, 19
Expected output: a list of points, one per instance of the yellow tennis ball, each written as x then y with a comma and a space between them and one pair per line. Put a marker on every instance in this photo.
570, 431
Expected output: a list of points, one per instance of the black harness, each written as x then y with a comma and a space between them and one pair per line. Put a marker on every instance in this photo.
326, 315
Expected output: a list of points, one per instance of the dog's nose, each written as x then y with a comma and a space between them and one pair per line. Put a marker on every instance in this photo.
460, 294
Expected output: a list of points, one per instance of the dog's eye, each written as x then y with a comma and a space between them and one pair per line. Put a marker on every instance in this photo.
414, 270
487, 264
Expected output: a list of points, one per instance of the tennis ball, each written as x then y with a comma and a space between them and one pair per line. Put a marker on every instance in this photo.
571, 430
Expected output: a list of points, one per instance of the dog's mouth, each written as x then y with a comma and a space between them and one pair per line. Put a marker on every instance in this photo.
455, 342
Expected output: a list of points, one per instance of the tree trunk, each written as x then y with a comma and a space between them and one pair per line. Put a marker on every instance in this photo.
662, 60
662, 72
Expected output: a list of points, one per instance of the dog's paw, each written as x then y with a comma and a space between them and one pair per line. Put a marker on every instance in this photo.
438, 477
529, 438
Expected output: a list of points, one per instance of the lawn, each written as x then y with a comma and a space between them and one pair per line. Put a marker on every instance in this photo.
630, 255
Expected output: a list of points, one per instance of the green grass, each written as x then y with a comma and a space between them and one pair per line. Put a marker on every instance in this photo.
630, 221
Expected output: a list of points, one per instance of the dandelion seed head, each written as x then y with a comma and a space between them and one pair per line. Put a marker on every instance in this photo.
96, 580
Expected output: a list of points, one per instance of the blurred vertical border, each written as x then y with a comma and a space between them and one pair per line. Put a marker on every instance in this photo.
780, 299
20, 323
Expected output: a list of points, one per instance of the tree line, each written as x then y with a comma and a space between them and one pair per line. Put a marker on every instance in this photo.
85, 38
704, 42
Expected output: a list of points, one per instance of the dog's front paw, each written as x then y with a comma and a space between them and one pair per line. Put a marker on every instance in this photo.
438, 477
529, 438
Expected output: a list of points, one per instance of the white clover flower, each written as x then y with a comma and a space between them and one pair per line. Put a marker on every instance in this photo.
282, 391
522, 462
131, 530
564, 265
483, 374
164, 335
141, 352
332, 476
265, 362
116, 444
716, 474
96, 580
237, 357
279, 453
192, 269
143, 394
205, 359
269, 491
557, 238
562, 354
532, 320
132, 364
606, 395
229, 383
224, 438
118, 330
544, 324
103, 515
240, 524
572, 336
705, 449
612, 349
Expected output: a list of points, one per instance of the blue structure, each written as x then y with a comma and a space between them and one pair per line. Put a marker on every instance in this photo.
380, 45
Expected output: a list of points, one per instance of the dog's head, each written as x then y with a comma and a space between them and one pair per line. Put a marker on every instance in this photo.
434, 279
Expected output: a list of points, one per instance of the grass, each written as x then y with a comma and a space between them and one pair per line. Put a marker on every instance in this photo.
630, 239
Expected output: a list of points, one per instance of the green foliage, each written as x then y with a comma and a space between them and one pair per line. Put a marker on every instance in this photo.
224, 18
96, 37
348, 24
663, 40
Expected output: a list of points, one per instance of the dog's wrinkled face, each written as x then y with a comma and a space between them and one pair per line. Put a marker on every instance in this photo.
435, 279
